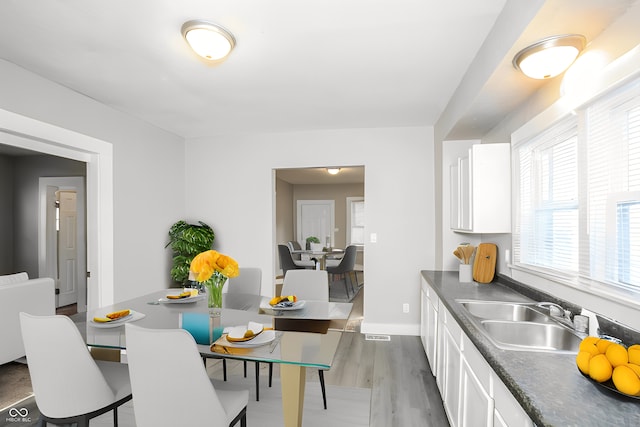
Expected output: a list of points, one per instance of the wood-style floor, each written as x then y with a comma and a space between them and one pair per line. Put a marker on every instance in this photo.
404, 392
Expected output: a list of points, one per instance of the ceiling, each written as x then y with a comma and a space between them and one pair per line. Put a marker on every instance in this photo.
297, 65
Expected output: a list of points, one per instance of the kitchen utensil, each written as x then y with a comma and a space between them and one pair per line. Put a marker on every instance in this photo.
484, 266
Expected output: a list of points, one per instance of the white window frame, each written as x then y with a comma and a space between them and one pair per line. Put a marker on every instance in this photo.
581, 280
350, 201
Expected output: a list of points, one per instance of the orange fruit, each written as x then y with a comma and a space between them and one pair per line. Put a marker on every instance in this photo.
626, 380
582, 360
635, 368
600, 368
589, 347
603, 344
617, 354
589, 340
634, 354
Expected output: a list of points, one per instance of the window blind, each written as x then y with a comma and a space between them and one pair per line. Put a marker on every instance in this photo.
578, 201
547, 226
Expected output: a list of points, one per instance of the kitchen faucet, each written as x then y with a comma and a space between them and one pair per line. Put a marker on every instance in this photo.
558, 312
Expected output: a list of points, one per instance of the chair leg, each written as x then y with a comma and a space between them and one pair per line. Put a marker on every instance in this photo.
224, 369
245, 368
270, 373
324, 394
257, 381
346, 289
115, 416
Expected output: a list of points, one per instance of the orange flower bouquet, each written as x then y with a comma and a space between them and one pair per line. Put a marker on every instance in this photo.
212, 269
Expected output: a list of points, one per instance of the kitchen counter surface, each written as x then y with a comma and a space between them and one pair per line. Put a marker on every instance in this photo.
548, 386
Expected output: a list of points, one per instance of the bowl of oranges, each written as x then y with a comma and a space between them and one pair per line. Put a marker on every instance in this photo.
611, 364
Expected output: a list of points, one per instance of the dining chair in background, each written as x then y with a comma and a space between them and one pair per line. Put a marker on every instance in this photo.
309, 285
171, 386
57, 356
344, 269
294, 246
249, 281
286, 260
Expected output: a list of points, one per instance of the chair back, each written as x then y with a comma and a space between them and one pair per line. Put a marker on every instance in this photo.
307, 285
249, 281
58, 359
294, 246
168, 379
286, 261
347, 263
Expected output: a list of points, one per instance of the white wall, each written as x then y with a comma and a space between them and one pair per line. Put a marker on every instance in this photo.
148, 174
229, 186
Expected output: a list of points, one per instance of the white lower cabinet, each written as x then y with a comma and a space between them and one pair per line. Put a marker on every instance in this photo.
451, 358
472, 393
476, 405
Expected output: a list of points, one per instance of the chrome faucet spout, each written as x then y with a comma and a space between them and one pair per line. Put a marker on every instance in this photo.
558, 312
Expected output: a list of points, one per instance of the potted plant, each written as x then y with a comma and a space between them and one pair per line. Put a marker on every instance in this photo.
313, 243
187, 241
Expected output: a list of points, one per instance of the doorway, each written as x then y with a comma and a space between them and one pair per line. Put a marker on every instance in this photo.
62, 238
315, 185
31, 134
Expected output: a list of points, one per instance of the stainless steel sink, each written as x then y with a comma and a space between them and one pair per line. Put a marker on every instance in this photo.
516, 312
520, 326
531, 336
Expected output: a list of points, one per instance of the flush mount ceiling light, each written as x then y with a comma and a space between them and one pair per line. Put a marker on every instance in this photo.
549, 57
208, 40
333, 171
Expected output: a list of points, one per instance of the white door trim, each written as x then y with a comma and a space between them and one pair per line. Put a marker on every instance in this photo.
25, 132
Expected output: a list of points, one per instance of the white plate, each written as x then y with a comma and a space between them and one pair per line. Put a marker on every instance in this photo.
296, 306
264, 338
236, 333
186, 300
132, 317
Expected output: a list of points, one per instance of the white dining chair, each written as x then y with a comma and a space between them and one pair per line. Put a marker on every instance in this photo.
308, 285
58, 359
249, 281
171, 386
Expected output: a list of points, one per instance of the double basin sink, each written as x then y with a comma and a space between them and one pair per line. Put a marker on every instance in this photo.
521, 326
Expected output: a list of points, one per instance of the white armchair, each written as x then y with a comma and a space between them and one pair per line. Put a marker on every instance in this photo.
19, 293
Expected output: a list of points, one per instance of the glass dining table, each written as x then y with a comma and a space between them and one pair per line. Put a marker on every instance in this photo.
304, 337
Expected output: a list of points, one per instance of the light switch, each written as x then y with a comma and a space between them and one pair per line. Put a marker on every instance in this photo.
374, 237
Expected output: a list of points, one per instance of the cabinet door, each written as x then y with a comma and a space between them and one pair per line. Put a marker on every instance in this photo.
508, 411
432, 335
465, 194
476, 405
424, 327
451, 362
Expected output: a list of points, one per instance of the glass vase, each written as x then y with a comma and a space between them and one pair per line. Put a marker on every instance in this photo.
214, 293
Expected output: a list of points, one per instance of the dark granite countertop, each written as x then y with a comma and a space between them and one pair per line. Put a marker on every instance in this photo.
548, 386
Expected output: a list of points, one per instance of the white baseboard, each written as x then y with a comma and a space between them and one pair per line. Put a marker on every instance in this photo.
387, 329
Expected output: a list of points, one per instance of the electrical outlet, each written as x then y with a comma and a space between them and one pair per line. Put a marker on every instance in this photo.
374, 237
405, 307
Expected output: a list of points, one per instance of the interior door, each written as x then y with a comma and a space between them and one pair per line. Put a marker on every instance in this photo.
315, 218
67, 248
62, 243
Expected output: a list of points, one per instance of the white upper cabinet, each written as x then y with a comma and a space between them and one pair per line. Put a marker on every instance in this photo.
481, 190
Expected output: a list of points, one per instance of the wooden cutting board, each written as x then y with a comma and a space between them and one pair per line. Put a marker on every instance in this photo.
484, 265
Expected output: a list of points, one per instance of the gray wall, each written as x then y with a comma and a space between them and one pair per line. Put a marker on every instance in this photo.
6, 215
27, 171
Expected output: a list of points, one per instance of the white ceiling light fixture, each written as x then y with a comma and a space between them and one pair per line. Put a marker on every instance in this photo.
208, 40
333, 171
549, 57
